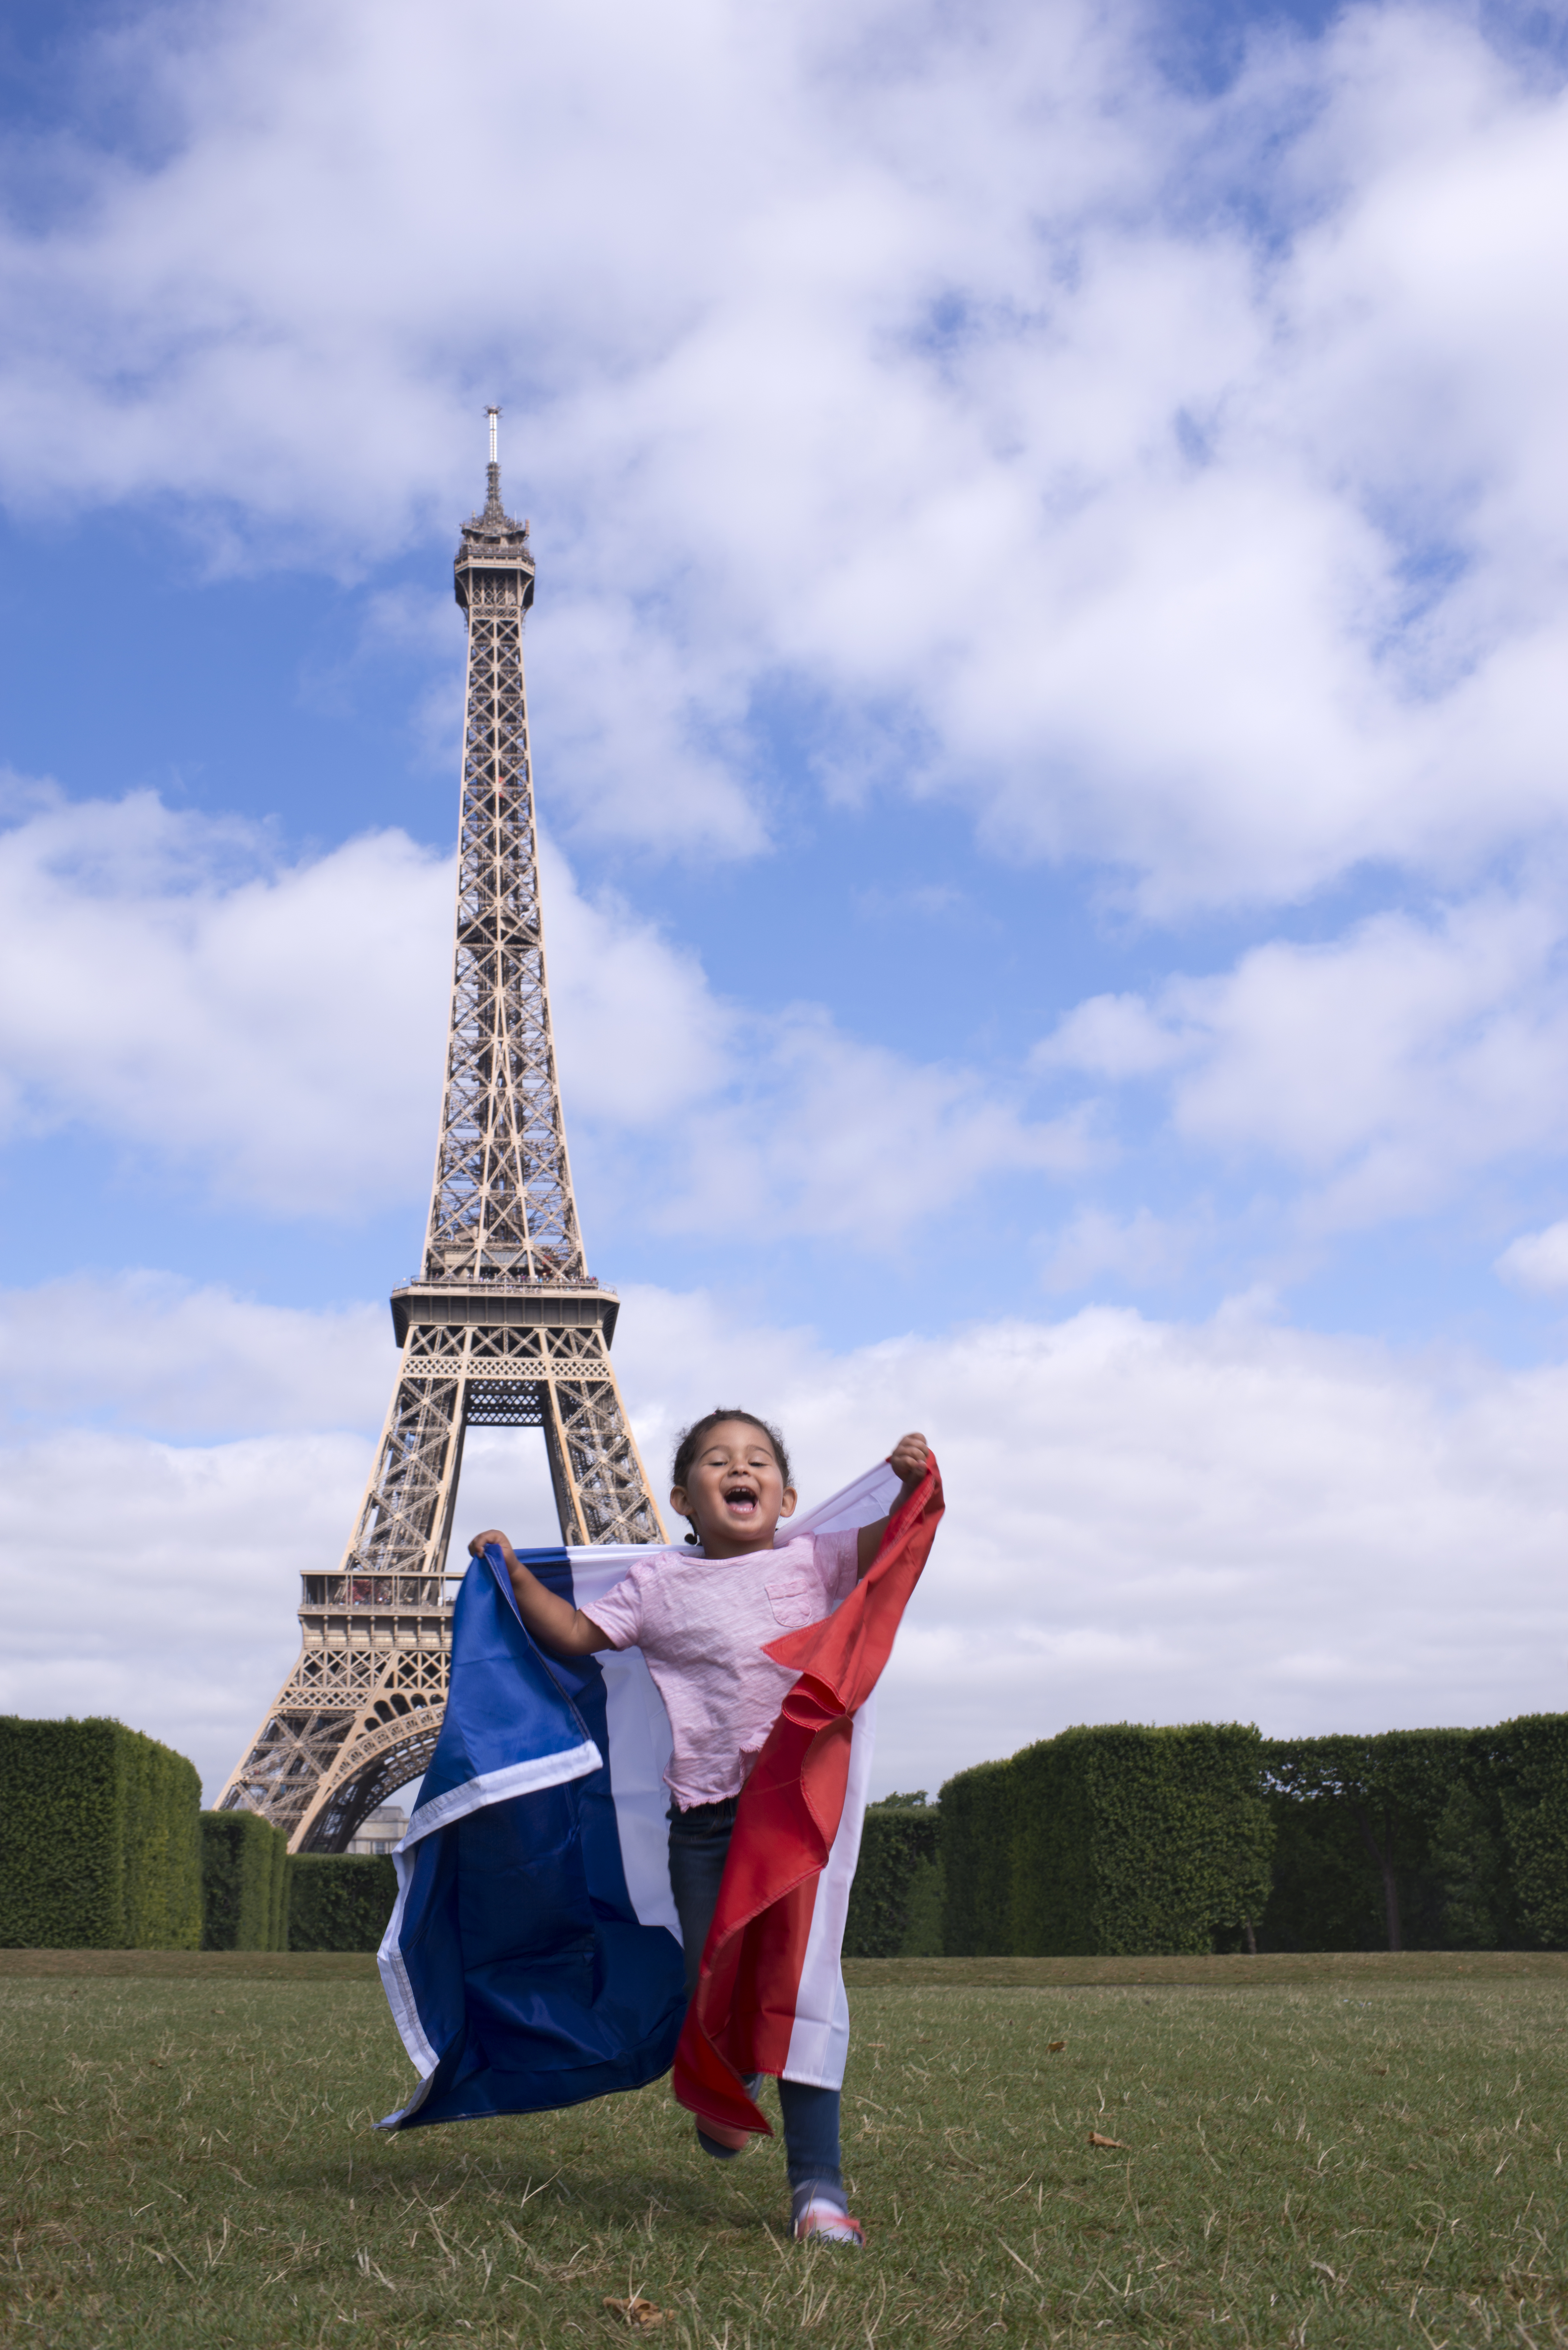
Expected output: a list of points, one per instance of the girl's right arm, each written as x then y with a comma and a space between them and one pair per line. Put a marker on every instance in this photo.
557, 1625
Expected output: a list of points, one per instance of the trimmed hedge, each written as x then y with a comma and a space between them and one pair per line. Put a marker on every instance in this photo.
340, 1901
1326, 1893
1384, 1842
1421, 1839
244, 1883
889, 1900
978, 1859
1108, 1842
99, 1839
1120, 1841
1526, 1763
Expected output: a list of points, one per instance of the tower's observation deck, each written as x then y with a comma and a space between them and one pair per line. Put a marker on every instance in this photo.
503, 1326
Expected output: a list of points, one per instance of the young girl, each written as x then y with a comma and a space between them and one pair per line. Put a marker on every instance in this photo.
701, 1618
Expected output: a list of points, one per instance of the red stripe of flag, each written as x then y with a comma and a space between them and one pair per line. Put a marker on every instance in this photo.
743, 2011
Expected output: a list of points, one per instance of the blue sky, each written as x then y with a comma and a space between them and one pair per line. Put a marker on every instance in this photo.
1047, 703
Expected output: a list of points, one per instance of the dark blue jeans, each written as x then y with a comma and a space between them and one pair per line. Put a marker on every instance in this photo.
699, 1840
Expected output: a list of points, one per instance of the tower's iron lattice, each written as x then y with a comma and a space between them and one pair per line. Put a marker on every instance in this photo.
504, 1328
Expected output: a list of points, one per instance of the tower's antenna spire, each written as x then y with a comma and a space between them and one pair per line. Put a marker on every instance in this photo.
493, 510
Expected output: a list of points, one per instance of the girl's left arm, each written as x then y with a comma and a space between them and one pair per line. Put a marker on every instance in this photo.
908, 1457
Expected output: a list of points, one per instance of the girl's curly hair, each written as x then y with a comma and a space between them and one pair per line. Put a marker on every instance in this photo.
691, 1440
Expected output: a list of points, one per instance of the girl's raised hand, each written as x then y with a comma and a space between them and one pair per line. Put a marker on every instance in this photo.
491, 1535
909, 1458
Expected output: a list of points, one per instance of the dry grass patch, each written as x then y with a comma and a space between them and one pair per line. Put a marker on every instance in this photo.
190, 2162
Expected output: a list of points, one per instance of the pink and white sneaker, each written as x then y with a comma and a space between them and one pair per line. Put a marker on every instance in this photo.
828, 2223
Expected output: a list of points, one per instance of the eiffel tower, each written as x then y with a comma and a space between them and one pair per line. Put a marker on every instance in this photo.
504, 1328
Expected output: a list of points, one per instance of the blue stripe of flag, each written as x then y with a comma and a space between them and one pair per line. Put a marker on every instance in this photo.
515, 1964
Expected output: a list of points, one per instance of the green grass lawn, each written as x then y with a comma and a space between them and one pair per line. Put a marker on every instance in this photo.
1371, 2154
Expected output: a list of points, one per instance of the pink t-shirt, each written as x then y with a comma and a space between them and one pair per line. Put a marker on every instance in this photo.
701, 1624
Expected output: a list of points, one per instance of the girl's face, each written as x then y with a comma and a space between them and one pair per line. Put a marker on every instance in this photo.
734, 1494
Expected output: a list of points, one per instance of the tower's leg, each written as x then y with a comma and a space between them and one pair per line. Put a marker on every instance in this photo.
359, 1713
594, 1457
371, 1673
568, 1507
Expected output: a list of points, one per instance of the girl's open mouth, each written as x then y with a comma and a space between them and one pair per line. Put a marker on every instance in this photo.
741, 1497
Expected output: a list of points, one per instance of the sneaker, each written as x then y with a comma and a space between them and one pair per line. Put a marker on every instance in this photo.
829, 2223
719, 2140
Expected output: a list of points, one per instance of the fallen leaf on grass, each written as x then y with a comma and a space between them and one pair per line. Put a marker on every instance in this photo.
1117, 2143
1054, 2047
637, 2311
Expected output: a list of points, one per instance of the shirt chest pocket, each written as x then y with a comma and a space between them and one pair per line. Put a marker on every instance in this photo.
795, 1601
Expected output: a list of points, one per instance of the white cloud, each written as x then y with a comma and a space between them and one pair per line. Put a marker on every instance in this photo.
841, 1139
645, 741
175, 982
1401, 1041
1537, 1261
1147, 1521
1138, 1249
642, 1036
277, 1026
158, 1583
1180, 475
1112, 1036
148, 1351
1387, 1065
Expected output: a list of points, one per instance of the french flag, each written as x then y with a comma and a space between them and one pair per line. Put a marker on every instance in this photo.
534, 1956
